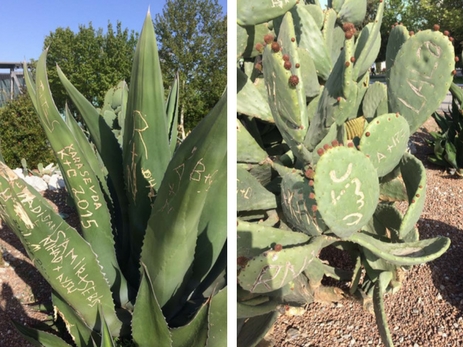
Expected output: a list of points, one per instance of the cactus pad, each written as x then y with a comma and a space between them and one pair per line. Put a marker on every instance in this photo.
384, 141
421, 76
298, 201
346, 196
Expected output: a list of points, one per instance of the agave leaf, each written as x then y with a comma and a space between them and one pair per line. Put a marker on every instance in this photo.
146, 151
212, 230
254, 329
172, 113
39, 338
111, 154
170, 240
147, 313
30, 82
79, 331
81, 181
217, 322
193, 334
58, 251
85, 146
106, 338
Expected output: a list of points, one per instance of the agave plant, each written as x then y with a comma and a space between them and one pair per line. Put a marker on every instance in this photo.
147, 264
447, 143
322, 157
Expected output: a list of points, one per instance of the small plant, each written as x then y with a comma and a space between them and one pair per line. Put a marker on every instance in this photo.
148, 265
321, 162
448, 143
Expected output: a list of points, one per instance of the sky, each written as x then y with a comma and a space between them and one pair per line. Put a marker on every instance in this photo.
24, 24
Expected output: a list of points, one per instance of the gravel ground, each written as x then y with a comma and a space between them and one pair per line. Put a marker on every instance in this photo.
428, 309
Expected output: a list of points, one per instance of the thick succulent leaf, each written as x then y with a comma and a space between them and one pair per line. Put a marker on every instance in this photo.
147, 313
212, 229
31, 84
380, 311
172, 231
111, 154
407, 253
193, 334
58, 251
310, 38
217, 320
146, 149
79, 331
414, 177
251, 195
249, 101
106, 338
421, 76
172, 113
368, 44
273, 269
248, 150
346, 197
254, 238
39, 338
80, 179
82, 141
252, 330
260, 11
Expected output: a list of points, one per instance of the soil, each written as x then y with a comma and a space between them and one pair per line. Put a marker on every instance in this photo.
427, 310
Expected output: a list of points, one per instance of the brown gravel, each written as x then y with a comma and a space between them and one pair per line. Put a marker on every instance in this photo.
427, 311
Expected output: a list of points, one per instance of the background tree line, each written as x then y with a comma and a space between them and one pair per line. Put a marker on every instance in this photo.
420, 15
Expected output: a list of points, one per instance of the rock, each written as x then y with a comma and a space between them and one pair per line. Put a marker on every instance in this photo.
19, 172
37, 182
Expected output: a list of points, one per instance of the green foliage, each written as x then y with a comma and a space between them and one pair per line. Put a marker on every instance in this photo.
314, 135
148, 261
193, 43
447, 143
21, 135
93, 59
421, 14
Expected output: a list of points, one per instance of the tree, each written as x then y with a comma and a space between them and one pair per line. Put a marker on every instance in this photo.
420, 15
92, 60
192, 38
22, 135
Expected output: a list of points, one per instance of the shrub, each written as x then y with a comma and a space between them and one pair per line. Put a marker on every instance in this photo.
21, 134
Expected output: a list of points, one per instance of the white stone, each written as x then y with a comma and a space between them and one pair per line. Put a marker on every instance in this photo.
36, 182
53, 183
46, 178
19, 172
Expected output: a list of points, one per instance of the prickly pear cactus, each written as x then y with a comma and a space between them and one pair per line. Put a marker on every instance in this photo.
332, 149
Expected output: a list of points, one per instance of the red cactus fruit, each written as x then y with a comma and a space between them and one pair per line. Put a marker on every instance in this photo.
268, 38
293, 80
287, 65
277, 247
297, 65
347, 64
446, 33
436, 27
285, 57
320, 151
352, 59
275, 46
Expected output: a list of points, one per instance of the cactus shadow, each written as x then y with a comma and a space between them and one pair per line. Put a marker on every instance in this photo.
447, 270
